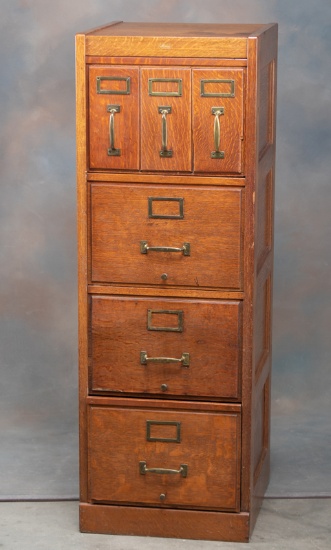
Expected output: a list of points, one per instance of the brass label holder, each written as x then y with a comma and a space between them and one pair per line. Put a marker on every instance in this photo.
151, 423
178, 216
125, 79
176, 93
180, 320
203, 83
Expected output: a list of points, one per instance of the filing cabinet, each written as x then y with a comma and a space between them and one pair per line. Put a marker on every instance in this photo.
175, 174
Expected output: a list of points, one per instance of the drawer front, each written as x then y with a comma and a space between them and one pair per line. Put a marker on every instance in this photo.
178, 347
218, 120
167, 235
114, 117
166, 119
164, 458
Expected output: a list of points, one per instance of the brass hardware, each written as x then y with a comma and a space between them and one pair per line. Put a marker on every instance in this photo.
144, 359
178, 216
164, 387
164, 111
162, 496
180, 317
150, 423
165, 94
217, 112
143, 470
164, 276
203, 93
144, 248
112, 151
125, 79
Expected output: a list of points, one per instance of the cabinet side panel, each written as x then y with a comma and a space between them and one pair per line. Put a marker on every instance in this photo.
258, 245
82, 250
263, 268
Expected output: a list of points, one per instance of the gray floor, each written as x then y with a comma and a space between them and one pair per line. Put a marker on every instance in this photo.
293, 524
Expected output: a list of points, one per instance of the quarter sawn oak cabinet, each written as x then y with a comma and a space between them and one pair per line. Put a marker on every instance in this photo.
175, 170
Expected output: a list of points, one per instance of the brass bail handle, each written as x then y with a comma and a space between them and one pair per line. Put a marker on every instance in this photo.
165, 152
112, 151
217, 112
184, 360
143, 470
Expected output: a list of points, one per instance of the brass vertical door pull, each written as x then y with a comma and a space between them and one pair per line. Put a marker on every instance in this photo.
217, 112
165, 152
112, 151
144, 359
143, 470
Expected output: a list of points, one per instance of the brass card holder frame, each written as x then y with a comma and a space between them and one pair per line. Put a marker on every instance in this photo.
150, 423
203, 83
180, 320
126, 79
164, 93
178, 216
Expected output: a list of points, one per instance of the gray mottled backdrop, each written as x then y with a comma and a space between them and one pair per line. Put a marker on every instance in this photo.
38, 406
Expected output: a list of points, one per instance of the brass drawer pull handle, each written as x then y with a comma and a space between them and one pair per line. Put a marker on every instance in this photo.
144, 248
112, 151
143, 470
165, 152
144, 359
217, 112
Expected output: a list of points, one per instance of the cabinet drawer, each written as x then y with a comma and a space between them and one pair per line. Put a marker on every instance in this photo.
131, 450
166, 119
179, 347
114, 117
167, 235
218, 120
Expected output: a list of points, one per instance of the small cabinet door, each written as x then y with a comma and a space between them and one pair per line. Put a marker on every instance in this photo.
166, 119
218, 120
114, 117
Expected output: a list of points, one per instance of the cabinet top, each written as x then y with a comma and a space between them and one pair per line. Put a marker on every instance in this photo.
173, 39
122, 28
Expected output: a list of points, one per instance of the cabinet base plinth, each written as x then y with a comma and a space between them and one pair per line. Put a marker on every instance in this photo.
156, 522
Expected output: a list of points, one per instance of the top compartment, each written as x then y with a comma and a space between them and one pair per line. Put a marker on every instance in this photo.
166, 119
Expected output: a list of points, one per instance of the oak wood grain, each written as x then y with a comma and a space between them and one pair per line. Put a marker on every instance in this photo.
120, 221
210, 331
178, 121
209, 445
231, 122
158, 522
126, 121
